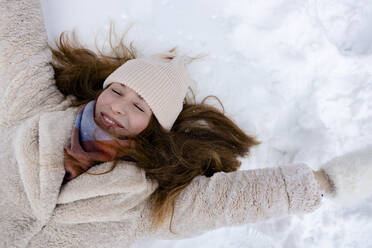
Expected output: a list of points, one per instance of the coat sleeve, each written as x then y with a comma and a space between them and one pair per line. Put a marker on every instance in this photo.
26, 79
244, 196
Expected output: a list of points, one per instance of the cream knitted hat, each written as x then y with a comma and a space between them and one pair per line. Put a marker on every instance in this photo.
161, 79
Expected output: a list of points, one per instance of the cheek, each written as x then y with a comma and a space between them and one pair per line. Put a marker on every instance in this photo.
98, 105
99, 101
102, 98
140, 124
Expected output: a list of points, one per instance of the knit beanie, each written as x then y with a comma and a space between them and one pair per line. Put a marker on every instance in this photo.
160, 79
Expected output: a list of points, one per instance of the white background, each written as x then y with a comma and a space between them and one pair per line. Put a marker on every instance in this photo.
296, 74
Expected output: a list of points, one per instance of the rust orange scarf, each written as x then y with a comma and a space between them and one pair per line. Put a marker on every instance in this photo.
90, 144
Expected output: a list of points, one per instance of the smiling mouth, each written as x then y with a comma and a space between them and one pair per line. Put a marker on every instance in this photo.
108, 124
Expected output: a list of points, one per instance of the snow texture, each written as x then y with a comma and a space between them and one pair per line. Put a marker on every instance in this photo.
296, 74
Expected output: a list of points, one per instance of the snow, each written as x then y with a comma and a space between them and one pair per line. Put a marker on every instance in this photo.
296, 74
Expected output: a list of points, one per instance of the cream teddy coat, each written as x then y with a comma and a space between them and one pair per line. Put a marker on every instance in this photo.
110, 210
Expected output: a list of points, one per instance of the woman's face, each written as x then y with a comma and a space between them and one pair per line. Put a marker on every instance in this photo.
125, 107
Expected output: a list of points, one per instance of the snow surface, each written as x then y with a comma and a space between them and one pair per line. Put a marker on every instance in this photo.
297, 74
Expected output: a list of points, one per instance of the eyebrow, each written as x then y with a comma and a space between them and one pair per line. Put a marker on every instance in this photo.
123, 86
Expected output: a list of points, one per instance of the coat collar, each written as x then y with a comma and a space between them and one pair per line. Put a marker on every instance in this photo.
40, 156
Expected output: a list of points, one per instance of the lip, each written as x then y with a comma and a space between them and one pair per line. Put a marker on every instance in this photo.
109, 124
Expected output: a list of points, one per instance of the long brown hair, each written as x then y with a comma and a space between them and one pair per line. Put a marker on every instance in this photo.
202, 141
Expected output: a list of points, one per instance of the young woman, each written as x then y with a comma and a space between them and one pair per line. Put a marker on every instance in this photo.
101, 151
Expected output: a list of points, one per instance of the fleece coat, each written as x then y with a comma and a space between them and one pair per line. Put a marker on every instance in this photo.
110, 210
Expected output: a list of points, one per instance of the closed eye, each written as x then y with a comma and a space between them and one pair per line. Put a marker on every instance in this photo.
134, 104
139, 108
116, 92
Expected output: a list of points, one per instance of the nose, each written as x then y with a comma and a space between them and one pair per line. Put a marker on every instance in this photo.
118, 107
